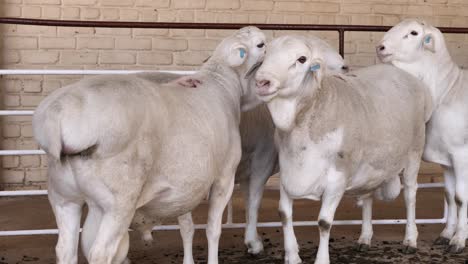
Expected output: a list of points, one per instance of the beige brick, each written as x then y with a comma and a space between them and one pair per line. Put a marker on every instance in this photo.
187, 32
153, 3
43, 57
149, 15
90, 13
188, 4
223, 4
117, 2
79, 2
150, 32
191, 58
51, 12
240, 18
205, 17
11, 10
258, 18
186, 16
11, 100
74, 31
78, 57
95, 43
275, 18
10, 162
291, 19
36, 30
322, 7
11, 131
31, 11
56, 43
26, 131
361, 60
11, 1
203, 44
154, 58
31, 86
128, 14
41, 2
169, 44
110, 13
295, 6
11, 85
366, 20
36, 175
20, 43
133, 44
356, 9
223, 18
12, 56
12, 176
388, 9
113, 31
30, 161
31, 100
49, 86
117, 58
257, 5
218, 33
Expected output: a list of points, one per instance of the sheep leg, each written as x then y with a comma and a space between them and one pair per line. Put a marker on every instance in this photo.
450, 227
364, 241
458, 241
262, 168
67, 215
90, 227
290, 242
187, 230
410, 183
220, 194
330, 200
112, 238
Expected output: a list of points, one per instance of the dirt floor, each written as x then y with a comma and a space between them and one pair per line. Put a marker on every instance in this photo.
34, 213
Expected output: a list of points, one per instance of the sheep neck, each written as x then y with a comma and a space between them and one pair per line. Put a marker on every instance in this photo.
228, 80
438, 72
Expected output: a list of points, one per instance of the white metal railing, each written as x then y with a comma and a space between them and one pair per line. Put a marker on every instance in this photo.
229, 222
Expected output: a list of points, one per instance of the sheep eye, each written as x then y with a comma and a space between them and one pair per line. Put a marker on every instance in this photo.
261, 45
302, 59
414, 33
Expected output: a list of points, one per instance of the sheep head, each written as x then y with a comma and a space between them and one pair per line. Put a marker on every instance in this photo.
411, 41
291, 67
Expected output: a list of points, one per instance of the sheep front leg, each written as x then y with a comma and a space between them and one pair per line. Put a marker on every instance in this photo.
451, 225
410, 184
330, 200
187, 230
290, 242
460, 160
364, 241
220, 194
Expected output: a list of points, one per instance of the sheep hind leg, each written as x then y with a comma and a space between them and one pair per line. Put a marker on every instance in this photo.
364, 241
451, 225
221, 192
458, 241
187, 230
67, 215
410, 183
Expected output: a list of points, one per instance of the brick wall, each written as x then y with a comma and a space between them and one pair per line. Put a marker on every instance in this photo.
32, 47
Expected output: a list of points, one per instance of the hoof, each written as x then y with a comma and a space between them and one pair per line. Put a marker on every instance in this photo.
293, 260
454, 249
255, 247
441, 241
409, 250
362, 247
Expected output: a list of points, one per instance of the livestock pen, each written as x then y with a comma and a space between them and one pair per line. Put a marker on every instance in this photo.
436, 214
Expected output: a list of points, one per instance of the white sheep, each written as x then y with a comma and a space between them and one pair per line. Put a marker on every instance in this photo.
259, 155
122, 144
350, 133
420, 49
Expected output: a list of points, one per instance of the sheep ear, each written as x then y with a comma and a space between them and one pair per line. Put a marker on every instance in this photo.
428, 42
317, 68
237, 55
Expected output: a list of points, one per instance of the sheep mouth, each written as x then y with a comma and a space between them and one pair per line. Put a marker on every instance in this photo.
385, 57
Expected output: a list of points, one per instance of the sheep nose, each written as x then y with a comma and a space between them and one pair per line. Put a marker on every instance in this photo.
380, 47
263, 83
